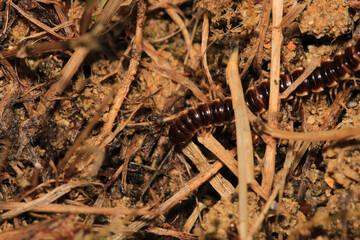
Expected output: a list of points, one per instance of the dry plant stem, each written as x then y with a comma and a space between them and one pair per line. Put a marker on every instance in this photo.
59, 8
37, 22
135, 145
204, 40
289, 159
218, 182
40, 34
185, 191
268, 171
227, 158
167, 232
120, 127
86, 16
7, 10
163, 68
131, 72
76, 59
308, 70
177, 19
244, 141
190, 222
354, 4
58, 87
257, 51
114, 176
340, 134
22, 51
293, 13
44, 200
84, 133
177, 77
28, 232
219, 151
300, 149
62, 208
100, 202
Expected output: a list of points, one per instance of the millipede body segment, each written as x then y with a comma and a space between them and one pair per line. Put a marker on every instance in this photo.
217, 113
328, 74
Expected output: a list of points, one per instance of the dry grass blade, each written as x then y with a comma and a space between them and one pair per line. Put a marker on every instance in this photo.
124, 87
244, 141
177, 19
177, 77
308, 70
190, 186
37, 22
257, 52
293, 13
193, 217
61, 12
219, 151
172, 233
219, 183
76, 60
274, 101
60, 226
62, 208
204, 40
44, 200
340, 134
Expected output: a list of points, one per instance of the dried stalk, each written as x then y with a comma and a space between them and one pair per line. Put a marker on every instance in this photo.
244, 141
274, 103
62, 208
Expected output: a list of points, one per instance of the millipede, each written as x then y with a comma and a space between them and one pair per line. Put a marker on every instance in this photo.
328, 74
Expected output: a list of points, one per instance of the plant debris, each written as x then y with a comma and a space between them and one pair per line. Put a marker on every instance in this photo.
88, 90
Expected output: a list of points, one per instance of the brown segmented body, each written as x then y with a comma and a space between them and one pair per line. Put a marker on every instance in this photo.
328, 74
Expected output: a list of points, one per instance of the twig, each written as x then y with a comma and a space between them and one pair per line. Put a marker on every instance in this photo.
177, 19
340, 134
190, 186
227, 158
274, 103
175, 234
218, 182
293, 13
124, 88
76, 59
204, 39
190, 222
244, 141
62, 208
308, 70
44, 200
37, 22
177, 77
256, 56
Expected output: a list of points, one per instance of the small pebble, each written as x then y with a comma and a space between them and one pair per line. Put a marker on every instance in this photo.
352, 104
311, 119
